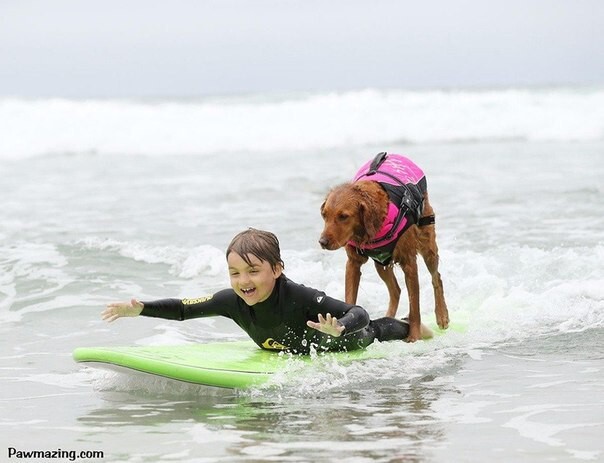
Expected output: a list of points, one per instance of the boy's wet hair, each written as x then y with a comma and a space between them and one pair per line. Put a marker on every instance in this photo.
262, 244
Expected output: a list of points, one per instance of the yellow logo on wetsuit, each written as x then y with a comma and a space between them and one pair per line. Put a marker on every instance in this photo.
270, 343
199, 300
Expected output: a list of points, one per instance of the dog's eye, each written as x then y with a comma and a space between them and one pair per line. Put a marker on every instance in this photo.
343, 217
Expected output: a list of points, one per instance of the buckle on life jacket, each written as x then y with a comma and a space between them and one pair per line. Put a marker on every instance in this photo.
412, 201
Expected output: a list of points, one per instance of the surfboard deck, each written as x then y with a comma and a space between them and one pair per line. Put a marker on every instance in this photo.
234, 364
231, 364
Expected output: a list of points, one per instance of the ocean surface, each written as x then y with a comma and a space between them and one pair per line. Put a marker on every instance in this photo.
104, 200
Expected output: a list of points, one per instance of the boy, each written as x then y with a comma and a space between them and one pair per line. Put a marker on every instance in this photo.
275, 312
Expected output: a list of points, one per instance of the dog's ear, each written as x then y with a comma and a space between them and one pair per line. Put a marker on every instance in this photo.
369, 221
323, 208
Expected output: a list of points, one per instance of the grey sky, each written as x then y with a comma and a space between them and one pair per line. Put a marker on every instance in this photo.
78, 48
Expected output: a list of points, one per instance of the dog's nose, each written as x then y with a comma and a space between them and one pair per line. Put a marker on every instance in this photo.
323, 242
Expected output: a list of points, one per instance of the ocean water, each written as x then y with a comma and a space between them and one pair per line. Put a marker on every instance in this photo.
104, 200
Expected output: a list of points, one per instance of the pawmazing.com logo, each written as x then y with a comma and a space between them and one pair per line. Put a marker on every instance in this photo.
71, 455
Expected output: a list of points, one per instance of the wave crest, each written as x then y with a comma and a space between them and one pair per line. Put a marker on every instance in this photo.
297, 122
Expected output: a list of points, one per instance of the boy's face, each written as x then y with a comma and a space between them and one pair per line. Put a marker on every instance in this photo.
253, 283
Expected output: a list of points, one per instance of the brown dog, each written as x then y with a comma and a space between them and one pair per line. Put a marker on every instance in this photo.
384, 214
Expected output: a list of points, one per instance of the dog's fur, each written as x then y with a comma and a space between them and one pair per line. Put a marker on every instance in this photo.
355, 211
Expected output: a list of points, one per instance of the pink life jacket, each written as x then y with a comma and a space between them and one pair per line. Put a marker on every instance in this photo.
406, 185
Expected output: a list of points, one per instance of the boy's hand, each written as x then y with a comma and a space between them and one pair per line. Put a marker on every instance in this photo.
115, 310
328, 325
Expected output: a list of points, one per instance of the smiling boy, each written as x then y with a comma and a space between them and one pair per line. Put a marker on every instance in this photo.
275, 312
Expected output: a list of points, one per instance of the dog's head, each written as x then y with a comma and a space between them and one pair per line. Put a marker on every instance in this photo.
352, 211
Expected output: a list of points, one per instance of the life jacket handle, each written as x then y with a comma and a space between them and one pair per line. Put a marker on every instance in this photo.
378, 160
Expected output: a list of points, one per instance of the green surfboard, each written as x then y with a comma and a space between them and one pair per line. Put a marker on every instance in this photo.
236, 364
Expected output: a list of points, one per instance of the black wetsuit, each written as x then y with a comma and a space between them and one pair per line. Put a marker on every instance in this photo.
279, 322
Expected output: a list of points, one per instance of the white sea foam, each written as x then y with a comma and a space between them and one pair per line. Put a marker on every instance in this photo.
298, 122
41, 265
185, 263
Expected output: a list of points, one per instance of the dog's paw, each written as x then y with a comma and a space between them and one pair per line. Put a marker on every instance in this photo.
414, 335
442, 319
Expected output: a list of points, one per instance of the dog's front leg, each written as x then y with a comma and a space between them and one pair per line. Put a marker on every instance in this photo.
353, 275
394, 290
412, 282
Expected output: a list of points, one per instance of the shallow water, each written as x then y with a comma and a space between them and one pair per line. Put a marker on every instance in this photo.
519, 226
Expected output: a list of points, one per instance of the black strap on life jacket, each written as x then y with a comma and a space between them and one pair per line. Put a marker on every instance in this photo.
382, 255
427, 220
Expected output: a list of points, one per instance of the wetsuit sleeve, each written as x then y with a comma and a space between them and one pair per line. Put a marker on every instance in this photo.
221, 303
170, 309
354, 320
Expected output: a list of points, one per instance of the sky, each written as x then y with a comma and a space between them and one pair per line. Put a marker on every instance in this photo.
185, 48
